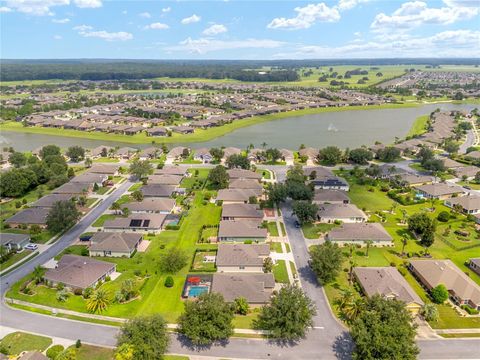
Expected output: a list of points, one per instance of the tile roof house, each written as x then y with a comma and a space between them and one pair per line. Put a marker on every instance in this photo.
467, 172
469, 204
241, 257
14, 241
240, 231
389, 283
79, 272
152, 205
203, 155
462, 289
140, 222
439, 191
30, 216
287, 156
347, 213
359, 233
255, 288
322, 196
32, 355
114, 244
175, 154
241, 212
310, 153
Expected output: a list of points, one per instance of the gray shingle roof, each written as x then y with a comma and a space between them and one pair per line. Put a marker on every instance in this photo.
241, 254
152, 204
359, 232
242, 211
240, 229
256, 288
116, 242
30, 216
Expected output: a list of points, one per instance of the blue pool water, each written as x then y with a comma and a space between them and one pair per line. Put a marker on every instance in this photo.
195, 291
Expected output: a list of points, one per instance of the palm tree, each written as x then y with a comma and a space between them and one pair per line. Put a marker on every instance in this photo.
88, 162
264, 145
125, 211
404, 243
350, 271
353, 309
38, 274
342, 301
116, 207
404, 215
368, 243
393, 208
98, 301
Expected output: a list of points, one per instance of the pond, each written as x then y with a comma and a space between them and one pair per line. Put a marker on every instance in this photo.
344, 129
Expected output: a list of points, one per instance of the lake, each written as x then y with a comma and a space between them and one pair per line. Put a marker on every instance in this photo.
344, 129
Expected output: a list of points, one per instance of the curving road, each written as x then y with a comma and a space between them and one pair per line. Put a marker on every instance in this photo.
328, 340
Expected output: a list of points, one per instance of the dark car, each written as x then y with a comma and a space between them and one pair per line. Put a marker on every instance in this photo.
297, 224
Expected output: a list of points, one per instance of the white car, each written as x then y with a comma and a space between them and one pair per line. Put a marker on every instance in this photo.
31, 247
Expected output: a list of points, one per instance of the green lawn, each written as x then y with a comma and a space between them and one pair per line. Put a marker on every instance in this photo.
419, 126
280, 272
101, 220
449, 319
265, 174
103, 190
15, 258
276, 246
197, 180
135, 187
282, 227
106, 160
17, 342
293, 268
313, 231
200, 265
90, 352
245, 321
272, 228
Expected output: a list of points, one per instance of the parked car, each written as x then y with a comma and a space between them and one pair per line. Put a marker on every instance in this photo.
31, 246
297, 224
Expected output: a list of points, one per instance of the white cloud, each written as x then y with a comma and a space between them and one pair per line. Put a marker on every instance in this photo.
204, 45
88, 3
215, 30
191, 19
87, 31
462, 3
349, 4
124, 12
61, 21
145, 15
306, 17
166, 9
4, 9
416, 13
57, 37
35, 7
157, 26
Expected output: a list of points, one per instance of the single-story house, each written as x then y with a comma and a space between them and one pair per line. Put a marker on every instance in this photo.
473, 155
90, 178
165, 179
330, 183
102, 150
412, 179
240, 231
157, 131
31, 355
347, 213
157, 190
462, 289
236, 196
255, 288
229, 151
107, 169
151, 205
79, 272
359, 233
241, 211
30, 216
245, 184
439, 191
126, 152
287, 156
474, 264
114, 244
48, 201
469, 204
14, 241
388, 283
172, 170
74, 188
136, 222
317, 172
176, 154
203, 155
322, 196
149, 153
241, 257
467, 172
243, 174
310, 153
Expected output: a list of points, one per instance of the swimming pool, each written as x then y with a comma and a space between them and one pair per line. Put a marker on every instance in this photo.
195, 291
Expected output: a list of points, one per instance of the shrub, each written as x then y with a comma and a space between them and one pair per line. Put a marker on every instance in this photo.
248, 242
78, 343
53, 351
444, 216
169, 282
439, 294
470, 310
62, 295
78, 292
87, 292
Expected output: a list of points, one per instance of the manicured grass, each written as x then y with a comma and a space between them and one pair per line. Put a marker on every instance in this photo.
265, 174
101, 220
419, 126
17, 342
449, 319
313, 231
15, 258
175, 357
197, 180
280, 272
245, 321
276, 246
287, 247
293, 268
103, 190
282, 227
135, 187
272, 228
200, 265
470, 184
90, 352
456, 336
73, 250
106, 160
198, 136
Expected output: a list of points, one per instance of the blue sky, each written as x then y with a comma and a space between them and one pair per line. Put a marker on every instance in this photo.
239, 29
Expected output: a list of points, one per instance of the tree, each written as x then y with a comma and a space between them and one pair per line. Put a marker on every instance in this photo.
477, 178
217, 154
277, 193
140, 168
218, 177
360, 156
238, 161
388, 154
305, 211
37, 274
273, 154
326, 261
419, 223
98, 301
384, 331
88, 162
173, 261
241, 306
330, 155
429, 312
75, 153
428, 235
404, 243
268, 265
146, 337
125, 211
368, 243
439, 294
17, 159
116, 207
349, 306
14, 183
288, 315
299, 191
451, 147
63, 215
137, 195
67, 354
49, 150
207, 320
